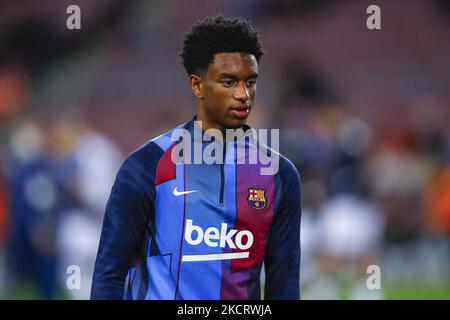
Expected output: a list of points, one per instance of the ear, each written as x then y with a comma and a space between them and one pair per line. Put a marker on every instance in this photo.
196, 83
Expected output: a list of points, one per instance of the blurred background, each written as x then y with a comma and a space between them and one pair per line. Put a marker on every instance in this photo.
363, 114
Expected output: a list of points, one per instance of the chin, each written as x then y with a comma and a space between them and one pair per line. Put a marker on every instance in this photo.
236, 123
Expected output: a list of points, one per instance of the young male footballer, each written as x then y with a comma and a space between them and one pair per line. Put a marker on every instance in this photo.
194, 213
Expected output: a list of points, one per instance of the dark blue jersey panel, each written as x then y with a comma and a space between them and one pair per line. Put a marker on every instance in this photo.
283, 247
126, 222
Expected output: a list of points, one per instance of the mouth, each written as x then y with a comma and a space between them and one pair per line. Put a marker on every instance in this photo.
241, 111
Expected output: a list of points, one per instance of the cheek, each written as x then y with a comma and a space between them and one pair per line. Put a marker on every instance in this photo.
252, 92
218, 97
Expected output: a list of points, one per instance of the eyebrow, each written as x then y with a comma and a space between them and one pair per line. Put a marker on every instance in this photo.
227, 75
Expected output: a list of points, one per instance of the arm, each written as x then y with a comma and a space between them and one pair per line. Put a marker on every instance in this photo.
282, 261
127, 216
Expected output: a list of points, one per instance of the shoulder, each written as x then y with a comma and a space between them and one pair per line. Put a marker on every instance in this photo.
142, 163
143, 158
288, 176
288, 170
285, 171
149, 154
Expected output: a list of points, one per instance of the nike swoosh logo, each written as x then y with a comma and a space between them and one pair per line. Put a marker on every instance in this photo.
177, 193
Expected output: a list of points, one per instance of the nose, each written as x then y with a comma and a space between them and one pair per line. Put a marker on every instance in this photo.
241, 93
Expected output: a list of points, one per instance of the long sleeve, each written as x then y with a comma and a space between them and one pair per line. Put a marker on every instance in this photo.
282, 261
126, 219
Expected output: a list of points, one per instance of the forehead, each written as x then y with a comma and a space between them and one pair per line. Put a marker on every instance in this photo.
239, 64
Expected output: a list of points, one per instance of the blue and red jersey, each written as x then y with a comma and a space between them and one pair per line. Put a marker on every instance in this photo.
185, 230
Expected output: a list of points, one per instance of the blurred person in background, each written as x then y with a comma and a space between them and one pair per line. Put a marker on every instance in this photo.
350, 233
33, 211
348, 226
60, 179
342, 228
314, 194
434, 140
398, 171
96, 160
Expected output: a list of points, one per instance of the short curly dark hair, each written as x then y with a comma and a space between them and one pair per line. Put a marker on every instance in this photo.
216, 34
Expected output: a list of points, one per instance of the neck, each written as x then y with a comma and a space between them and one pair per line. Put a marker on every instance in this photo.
206, 124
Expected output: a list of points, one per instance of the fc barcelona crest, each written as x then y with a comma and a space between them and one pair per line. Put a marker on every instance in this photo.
257, 198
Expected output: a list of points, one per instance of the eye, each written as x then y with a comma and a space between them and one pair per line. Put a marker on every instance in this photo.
228, 83
250, 83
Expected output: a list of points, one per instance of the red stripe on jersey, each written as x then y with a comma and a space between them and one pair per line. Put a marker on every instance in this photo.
166, 167
258, 222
